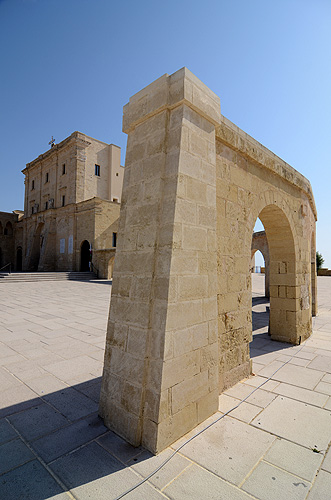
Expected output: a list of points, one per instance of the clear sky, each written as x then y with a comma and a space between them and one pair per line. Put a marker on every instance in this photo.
71, 65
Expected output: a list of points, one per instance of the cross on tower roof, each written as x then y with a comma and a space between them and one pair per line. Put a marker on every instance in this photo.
52, 141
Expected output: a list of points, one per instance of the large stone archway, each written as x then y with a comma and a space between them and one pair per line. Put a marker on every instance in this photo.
180, 316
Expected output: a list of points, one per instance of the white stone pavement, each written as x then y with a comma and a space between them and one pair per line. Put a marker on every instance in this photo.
53, 445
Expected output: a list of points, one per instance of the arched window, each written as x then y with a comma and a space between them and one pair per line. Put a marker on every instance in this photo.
8, 229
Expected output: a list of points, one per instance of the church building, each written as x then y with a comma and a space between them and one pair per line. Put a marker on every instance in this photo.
71, 209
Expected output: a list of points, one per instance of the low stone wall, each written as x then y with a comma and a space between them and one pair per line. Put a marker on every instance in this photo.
324, 271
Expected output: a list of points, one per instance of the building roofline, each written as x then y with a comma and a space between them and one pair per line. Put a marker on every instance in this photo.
78, 136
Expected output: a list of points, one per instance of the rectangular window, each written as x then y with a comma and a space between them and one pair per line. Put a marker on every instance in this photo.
62, 245
46, 205
32, 185
97, 170
47, 177
32, 210
63, 200
114, 239
63, 168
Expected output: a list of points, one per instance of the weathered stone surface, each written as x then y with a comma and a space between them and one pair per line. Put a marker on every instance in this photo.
194, 186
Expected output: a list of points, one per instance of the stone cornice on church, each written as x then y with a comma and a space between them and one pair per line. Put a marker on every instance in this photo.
77, 137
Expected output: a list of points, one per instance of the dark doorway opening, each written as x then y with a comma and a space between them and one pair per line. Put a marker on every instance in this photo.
85, 256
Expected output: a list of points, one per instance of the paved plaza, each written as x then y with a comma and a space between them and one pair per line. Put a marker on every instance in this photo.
53, 445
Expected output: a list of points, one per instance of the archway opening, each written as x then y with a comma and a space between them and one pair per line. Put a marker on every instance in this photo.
260, 286
85, 256
258, 262
282, 274
8, 229
19, 258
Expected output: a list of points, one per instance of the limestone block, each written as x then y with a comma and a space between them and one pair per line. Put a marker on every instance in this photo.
188, 391
192, 287
194, 238
191, 338
178, 369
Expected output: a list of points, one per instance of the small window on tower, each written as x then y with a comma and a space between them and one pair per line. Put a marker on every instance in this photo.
97, 170
47, 177
114, 239
32, 210
63, 168
32, 185
116, 174
63, 200
46, 205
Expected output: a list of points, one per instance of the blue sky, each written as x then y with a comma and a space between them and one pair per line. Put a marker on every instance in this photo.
71, 65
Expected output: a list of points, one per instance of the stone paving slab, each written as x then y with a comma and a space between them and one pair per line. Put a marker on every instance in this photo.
104, 478
271, 483
53, 445
146, 463
31, 482
13, 454
322, 487
37, 421
296, 421
295, 459
201, 484
300, 394
294, 375
229, 449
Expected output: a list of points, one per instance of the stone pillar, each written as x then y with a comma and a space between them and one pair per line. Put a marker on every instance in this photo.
160, 375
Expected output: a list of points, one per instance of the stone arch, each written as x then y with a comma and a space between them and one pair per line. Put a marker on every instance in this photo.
8, 231
85, 256
260, 243
273, 211
183, 295
266, 198
282, 273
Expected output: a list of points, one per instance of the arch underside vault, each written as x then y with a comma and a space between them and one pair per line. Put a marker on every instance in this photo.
180, 316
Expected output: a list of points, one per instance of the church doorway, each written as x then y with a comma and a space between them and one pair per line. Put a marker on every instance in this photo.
85, 256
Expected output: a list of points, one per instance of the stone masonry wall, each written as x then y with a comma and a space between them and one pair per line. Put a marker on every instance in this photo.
180, 315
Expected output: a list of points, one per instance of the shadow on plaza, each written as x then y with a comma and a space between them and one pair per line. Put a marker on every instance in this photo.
61, 434
262, 342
